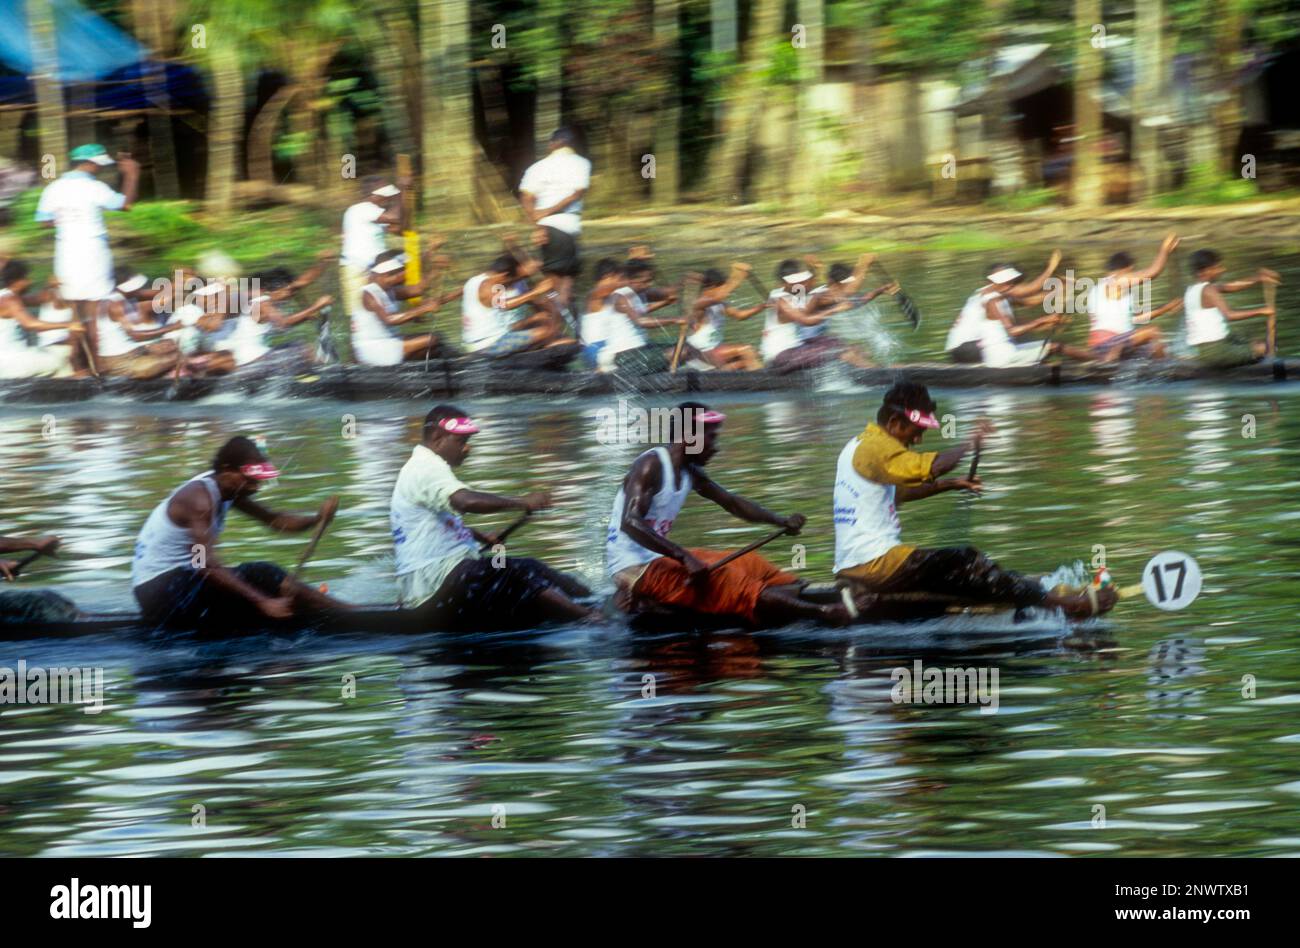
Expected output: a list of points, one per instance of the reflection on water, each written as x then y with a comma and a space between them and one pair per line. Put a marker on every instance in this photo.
594, 742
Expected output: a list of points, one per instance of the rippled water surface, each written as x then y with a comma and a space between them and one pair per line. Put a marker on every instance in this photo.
1127, 737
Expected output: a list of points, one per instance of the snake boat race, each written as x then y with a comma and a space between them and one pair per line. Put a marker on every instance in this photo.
750, 430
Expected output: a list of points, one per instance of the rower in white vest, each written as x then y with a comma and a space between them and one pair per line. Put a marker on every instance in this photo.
876, 472
176, 576
1208, 316
1116, 329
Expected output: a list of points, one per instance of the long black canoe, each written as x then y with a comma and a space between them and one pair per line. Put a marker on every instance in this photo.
451, 378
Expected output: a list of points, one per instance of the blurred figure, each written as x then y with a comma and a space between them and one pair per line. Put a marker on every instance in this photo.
551, 192
365, 226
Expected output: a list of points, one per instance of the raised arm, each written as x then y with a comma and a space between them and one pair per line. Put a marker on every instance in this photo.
1022, 291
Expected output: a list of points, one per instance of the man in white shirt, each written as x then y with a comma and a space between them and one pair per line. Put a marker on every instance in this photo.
74, 206
436, 557
365, 228
551, 192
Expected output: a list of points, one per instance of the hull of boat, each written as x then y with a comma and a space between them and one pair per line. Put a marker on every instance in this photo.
450, 378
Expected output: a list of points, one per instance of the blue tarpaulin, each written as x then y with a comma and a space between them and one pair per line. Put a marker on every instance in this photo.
88, 46
108, 64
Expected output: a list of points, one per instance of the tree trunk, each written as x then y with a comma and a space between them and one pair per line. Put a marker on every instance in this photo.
225, 124
153, 23
547, 113
261, 135
743, 100
51, 119
377, 34
1088, 184
1227, 109
444, 46
665, 187
1149, 97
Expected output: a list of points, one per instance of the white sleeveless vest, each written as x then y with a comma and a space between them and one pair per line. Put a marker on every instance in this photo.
709, 335
247, 342
162, 546
1110, 315
113, 340
779, 336
365, 324
866, 518
1204, 324
621, 551
623, 334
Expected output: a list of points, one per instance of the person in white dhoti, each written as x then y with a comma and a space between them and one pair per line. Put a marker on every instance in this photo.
74, 206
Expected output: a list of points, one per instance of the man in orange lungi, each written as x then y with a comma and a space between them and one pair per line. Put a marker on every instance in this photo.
649, 568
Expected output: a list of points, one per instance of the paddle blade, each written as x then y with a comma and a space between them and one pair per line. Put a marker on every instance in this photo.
909, 309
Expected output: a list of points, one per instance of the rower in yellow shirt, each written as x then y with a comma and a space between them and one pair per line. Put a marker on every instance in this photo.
877, 471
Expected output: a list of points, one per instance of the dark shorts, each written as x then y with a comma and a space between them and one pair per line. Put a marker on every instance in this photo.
182, 598
646, 360
968, 353
1226, 353
961, 571
814, 352
481, 596
560, 253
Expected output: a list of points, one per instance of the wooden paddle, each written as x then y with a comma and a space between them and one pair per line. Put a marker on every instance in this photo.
504, 534
25, 561
747, 549
311, 545
1270, 300
905, 302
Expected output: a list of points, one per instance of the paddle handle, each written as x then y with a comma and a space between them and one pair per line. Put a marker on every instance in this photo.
747, 549
311, 546
975, 462
504, 534
25, 561
1270, 300
677, 350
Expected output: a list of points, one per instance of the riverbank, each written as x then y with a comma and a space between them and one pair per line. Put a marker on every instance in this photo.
157, 235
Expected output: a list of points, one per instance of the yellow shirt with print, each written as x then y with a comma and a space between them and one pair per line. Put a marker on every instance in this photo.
883, 459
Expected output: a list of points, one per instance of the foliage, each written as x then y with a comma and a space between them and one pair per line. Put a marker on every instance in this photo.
1026, 200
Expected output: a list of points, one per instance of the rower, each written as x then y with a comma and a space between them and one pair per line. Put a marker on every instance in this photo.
376, 312
594, 328
708, 315
876, 472
1113, 334
651, 570
18, 359
627, 314
258, 318
439, 570
1208, 314
127, 347
176, 576
794, 335
495, 317
365, 227
986, 330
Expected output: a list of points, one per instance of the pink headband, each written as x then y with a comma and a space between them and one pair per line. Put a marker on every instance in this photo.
460, 426
710, 417
924, 420
261, 471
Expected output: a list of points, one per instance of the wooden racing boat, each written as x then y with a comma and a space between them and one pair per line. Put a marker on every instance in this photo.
479, 377
391, 620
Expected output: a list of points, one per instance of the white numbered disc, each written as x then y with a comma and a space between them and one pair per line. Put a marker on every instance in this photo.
1171, 580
